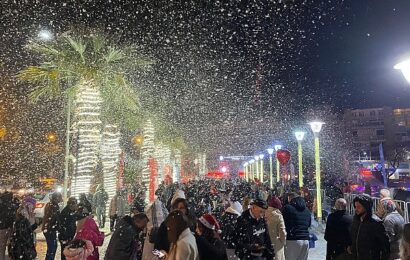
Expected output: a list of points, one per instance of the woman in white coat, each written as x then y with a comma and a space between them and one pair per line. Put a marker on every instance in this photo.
183, 243
276, 227
156, 214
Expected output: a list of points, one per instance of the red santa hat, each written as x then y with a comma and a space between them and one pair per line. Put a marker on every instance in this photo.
210, 222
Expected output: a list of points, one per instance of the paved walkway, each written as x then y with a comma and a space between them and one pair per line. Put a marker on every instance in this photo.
319, 252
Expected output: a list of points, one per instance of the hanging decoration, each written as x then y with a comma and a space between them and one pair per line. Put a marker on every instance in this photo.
283, 156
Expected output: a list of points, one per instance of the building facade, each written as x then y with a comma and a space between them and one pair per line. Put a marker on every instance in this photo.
371, 127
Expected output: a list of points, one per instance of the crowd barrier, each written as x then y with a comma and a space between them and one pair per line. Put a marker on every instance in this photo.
404, 206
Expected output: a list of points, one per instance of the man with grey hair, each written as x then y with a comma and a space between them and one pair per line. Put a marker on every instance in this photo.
337, 232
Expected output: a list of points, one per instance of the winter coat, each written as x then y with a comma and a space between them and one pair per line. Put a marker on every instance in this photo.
123, 240
117, 206
8, 210
51, 218
81, 253
393, 223
87, 229
369, 239
21, 244
251, 231
67, 225
211, 250
277, 231
156, 215
228, 223
337, 233
185, 247
100, 198
297, 219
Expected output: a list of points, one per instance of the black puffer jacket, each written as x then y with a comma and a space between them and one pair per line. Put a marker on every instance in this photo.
251, 232
369, 238
21, 244
67, 227
124, 241
211, 250
297, 219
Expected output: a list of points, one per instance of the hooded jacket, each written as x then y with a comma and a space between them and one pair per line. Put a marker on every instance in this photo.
228, 224
249, 232
297, 219
369, 238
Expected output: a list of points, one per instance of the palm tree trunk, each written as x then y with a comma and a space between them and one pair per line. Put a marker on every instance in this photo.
110, 152
88, 124
147, 150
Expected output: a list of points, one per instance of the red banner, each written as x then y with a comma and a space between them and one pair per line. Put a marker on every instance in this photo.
153, 168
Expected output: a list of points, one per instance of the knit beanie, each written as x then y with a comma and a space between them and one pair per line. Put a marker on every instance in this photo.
210, 222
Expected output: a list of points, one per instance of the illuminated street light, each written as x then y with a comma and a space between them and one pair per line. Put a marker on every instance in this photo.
51, 137
277, 148
404, 66
257, 166
270, 152
251, 162
45, 35
261, 172
316, 127
245, 167
221, 158
299, 137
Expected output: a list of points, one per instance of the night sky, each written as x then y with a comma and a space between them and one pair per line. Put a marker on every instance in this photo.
223, 65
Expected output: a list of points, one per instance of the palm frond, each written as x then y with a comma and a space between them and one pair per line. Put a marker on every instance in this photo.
113, 55
78, 46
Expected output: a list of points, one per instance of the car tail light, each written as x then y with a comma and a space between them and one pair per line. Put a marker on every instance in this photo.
39, 205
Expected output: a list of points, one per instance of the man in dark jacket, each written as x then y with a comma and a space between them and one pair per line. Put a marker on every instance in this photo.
67, 226
50, 224
252, 237
368, 236
337, 232
124, 244
7, 217
297, 221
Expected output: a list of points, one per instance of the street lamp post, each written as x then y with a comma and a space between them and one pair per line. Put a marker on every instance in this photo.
277, 148
257, 166
261, 173
245, 167
270, 152
316, 127
299, 137
404, 66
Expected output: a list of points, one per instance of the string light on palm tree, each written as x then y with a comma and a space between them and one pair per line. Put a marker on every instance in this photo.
299, 137
316, 127
270, 152
277, 148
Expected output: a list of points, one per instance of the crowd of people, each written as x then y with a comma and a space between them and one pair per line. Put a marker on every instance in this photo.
205, 219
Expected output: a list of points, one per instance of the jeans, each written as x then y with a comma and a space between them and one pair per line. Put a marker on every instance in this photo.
51, 239
4, 237
100, 212
297, 249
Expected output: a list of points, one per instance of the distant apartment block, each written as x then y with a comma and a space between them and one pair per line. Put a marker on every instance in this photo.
370, 127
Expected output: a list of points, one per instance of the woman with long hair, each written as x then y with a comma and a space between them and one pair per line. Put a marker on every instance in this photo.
183, 245
210, 245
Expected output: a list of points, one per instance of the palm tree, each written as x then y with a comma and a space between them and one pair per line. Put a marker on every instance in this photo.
91, 71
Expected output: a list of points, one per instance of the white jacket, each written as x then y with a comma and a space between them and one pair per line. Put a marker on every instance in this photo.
185, 248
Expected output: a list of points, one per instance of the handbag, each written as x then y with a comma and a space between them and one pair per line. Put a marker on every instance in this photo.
154, 231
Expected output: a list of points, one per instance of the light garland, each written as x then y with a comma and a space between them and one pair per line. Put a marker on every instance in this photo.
147, 152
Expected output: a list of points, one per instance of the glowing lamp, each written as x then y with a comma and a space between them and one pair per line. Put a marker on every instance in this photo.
256, 157
404, 66
278, 147
300, 135
316, 126
270, 151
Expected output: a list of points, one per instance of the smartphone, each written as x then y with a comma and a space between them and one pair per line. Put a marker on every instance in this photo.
158, 253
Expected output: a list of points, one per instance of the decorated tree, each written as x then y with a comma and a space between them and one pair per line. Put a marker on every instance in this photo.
92, 71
